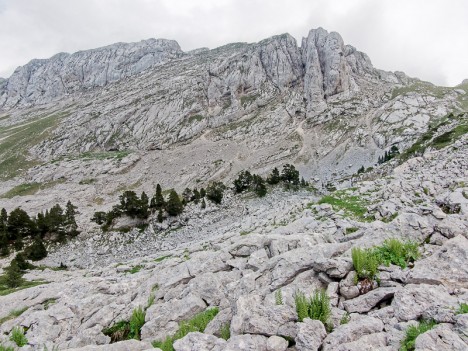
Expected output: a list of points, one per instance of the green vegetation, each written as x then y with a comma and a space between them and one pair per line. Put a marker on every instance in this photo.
215, 192
316, 306
126, 330
18, 337
449, 137
408, 343
345, 319
351, 230
225, 331
353, 206
393, 251
365, 263
194, 118
422, 87
6, 348
29, 189
463, 308
16, 141
135, 269
13, 314
197, 324
278, 297
162, 258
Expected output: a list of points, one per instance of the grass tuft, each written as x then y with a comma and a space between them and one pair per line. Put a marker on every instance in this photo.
408, 343
197, 324
316, 307
18, 337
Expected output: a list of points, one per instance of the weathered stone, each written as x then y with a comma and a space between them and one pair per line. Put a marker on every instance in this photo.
310, 334
199, 341
247, 343
440, 338
366, 302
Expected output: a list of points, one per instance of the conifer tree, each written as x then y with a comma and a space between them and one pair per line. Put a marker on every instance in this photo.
274, 177
174, 206
157, 202
202, 192
215, 192
14, 276
196, 196
160, 216
70, 221
258, 185
4, 244
203, 204
289, 175
243, 181
37, 251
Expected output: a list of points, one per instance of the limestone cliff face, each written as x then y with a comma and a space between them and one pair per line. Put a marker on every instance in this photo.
323, 66
41, 81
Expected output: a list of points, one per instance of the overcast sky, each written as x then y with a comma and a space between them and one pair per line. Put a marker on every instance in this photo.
427, 39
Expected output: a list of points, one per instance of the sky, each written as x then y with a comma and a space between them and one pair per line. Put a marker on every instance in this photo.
427, 39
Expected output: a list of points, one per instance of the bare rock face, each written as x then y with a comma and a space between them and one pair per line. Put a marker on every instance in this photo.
441, 338
41, 81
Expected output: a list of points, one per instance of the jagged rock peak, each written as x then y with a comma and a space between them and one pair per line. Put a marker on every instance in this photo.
42, 80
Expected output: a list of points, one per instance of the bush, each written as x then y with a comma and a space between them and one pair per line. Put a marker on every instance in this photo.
365, 263
394, 251
197, 324
408, 343
243, 181
136, 322
215, 192
316, 306
463, 308
18, 337
14, 277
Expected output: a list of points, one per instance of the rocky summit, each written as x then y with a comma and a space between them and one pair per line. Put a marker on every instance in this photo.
261, 196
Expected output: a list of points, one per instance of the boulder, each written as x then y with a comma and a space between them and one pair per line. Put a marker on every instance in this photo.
199, 341
440, 338
247, 343
366, 302
253, 317
310, 334
127, 345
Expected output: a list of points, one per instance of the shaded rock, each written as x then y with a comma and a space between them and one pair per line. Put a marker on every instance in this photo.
310, 334
440, 338
253, 317
366, 302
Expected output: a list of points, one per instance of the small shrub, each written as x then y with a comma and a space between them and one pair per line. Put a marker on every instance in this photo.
135, 269
6, 348
316, 306
345, 319
463, 308
18, 337
365, 263
351, 230
278, 297
394, 251
408, 343
197, 324
225, 331
118, 332
136, 322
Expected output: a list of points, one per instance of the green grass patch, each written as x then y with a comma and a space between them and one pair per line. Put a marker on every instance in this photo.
408, 343
135, 269
351, 230
463, 308
316, 307
162, 258
29, 188
353, 206
449, 137
5, 290
196, 324
394, 251
13, 314
17, 336
423, 88
16, 141
365, 264
195, 118
225, 331
104, 155
127, 330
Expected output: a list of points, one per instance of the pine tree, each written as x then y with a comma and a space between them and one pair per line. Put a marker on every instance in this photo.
258, 185
215, 192
160, 216
4, 244
37, 251
196, 196
70, 222
203, 204
19, 225
174, 206
289, 175
157, 202
21, 262
361, 170
243, 181
274, 177
144, 204
14, 277
202, 192
187, 195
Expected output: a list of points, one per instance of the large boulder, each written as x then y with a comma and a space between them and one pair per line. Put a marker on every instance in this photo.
414, 301
448, 265
247, 343
253, 317
366, 302
127, 345
441, 338
199, 341
310, 334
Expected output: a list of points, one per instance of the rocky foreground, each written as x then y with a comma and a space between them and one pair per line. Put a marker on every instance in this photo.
292, 248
